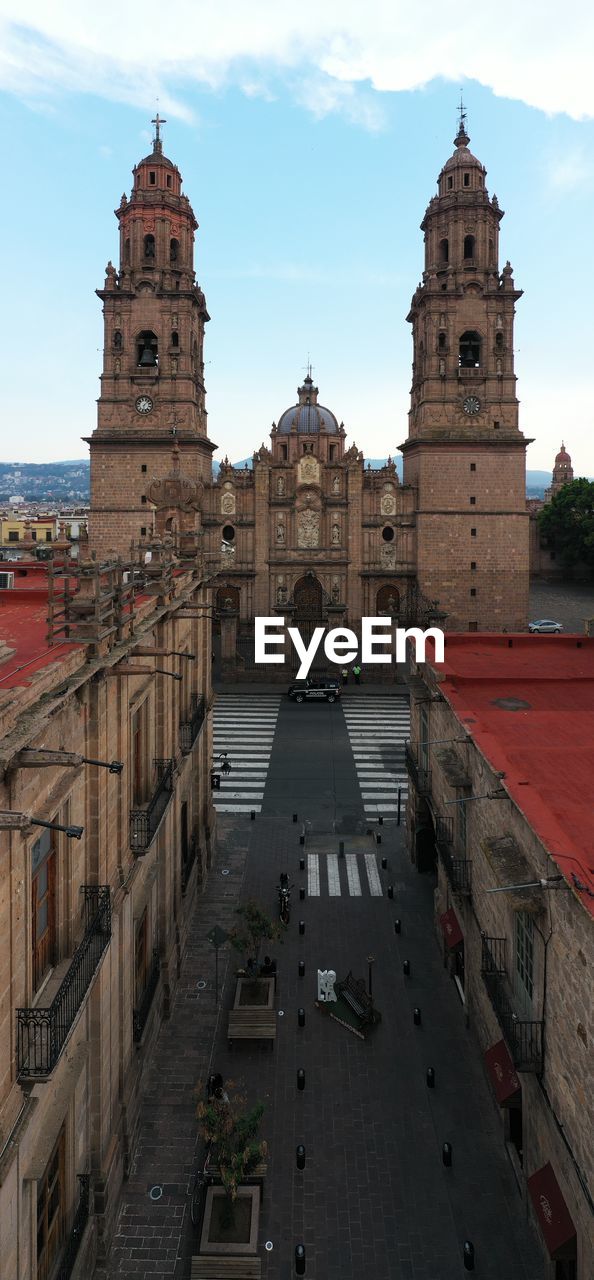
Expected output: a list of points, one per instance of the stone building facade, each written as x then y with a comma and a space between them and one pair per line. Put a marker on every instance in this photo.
498, 812
106, 829
313, 534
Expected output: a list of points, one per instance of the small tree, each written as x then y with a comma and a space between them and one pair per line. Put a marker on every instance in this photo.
233, 1133
255, 927
567, 523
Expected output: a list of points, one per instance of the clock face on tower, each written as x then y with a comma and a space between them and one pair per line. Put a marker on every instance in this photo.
471, 404
143, 404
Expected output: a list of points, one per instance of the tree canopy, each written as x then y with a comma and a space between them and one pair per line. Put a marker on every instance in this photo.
567, 523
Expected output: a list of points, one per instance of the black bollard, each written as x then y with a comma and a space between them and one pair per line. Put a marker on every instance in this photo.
302, 893
301, 1078
302, 864
430, 1077
302, 927
301, 839
380, 821
302, 968
390, 890
468, 1255
253, 815
406, 968
446, 1154
294, 817
300, 1156
417, 1016
299, 1259
301, 1017
384, 864
397, 926
378, 838
341, 848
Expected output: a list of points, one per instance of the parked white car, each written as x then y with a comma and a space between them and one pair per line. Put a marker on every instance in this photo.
543, 625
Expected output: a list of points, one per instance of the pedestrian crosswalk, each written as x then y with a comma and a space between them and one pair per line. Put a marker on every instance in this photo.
243, 726
377, 726
352, 874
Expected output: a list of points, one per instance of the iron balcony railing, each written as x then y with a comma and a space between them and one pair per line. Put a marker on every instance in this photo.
189, 729
141, 1013
420, 776
188, 862
524, 1037
458, 870
144, 823
42, 1032
81, 1218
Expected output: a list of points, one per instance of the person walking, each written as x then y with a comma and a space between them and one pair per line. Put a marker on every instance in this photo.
345, 675
357, 673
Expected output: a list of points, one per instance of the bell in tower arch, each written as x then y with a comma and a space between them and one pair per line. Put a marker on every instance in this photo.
147, 350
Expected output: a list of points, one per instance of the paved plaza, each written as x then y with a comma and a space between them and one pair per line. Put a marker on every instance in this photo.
374, 1198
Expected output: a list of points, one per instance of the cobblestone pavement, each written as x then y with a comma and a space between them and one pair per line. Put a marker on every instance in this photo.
566, 602
374, 1198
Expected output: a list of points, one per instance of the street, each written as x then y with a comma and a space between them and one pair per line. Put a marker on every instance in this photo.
374, 1197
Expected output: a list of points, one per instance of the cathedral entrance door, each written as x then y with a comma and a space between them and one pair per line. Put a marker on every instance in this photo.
308, 613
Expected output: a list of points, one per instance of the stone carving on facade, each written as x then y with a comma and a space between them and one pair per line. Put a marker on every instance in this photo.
388, 557
336, 484
280, 532
309, 470
281, 592
388, 504
228, 503
175, 490
280, 486
335, 533
335, 593
308, 529
227, 553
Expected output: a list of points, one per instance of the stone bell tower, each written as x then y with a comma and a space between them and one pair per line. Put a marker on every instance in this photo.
152, 384
465, 454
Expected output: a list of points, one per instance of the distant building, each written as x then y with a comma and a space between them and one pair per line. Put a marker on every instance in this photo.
562, 473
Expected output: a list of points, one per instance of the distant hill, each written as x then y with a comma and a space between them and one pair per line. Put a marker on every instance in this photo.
68, 482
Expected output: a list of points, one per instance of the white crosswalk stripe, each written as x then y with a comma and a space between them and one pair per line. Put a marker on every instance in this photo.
244, 726
333, 875
377, 726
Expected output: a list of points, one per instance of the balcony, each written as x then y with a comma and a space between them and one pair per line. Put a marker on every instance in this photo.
141, 1013
43, 1032
458, 870
524, 1037
81, 1218
420, 776
189, 729
144, 823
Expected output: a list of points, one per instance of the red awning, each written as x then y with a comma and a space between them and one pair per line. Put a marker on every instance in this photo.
551, 1210
502, 1072
451, 929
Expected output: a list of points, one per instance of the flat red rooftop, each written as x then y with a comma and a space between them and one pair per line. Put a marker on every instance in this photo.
528, 703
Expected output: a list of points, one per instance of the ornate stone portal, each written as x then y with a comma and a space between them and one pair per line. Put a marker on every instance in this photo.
308, 529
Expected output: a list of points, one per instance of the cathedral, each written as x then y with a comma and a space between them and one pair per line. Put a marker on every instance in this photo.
310, 532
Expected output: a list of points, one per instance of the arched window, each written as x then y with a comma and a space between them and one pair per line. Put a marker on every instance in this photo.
147, 349
444, 251
149, 248
173, 250
491, 253
469, 246
441, 341
499, 341
127, 250
469, 356
175, 338
228, 533
117, 340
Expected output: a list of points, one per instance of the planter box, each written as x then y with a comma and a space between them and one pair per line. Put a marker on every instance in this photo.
242, 1238
254, 993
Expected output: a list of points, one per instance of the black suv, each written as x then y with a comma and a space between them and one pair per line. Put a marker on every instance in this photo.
326, 688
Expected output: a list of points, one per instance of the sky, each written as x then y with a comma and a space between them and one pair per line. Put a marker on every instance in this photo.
310, 138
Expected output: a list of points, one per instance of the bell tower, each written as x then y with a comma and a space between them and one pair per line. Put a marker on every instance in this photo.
465, 454
152, 384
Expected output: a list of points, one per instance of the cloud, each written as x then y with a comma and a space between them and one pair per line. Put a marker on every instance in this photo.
532, 52
569, 170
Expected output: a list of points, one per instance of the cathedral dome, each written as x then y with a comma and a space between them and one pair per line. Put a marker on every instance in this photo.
563, 459
308, 417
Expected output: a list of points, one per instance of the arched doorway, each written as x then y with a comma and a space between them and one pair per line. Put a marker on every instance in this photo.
308, 613
387, 600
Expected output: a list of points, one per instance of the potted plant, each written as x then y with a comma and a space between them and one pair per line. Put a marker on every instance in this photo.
231, 1133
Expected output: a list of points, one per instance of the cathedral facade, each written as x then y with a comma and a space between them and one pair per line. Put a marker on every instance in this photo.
310, 532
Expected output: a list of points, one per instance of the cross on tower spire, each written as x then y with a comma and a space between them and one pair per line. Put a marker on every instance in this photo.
462, 139
157, 144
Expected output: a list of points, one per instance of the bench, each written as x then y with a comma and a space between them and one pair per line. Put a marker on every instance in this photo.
251, 1024
353, 991
209, 1267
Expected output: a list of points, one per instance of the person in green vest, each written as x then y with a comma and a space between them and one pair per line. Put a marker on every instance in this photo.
345, 675
357, 673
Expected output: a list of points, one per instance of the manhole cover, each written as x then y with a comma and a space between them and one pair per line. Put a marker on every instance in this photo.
156, 1192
